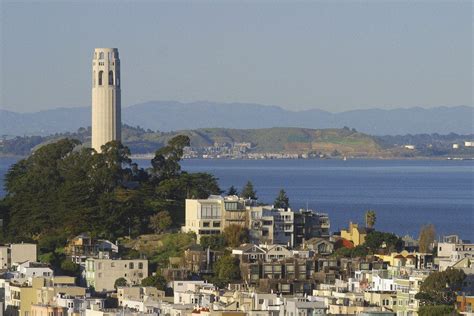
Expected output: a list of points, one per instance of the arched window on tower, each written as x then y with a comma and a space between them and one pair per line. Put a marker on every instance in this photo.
101, 55
101, 74
111, 78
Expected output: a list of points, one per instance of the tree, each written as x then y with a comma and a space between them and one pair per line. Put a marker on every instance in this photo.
214, 242
226, 270
70, 268
235, 235
157, 281
248, 192
370, 218
120, 282
440, 288
375, 240
165, 164
437, 310
282, 200
359, 251
232, 191
427, 236
160, 221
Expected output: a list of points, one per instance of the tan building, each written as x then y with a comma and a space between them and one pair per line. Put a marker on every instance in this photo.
355, 234
210, 216
138, 293
102, 273
385, 299
16, 253
47, 310
106, 97
19, 298
399, 259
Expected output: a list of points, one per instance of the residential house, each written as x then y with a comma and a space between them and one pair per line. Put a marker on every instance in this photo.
355, 234
84, 246
319, 246
249, 253
465, 305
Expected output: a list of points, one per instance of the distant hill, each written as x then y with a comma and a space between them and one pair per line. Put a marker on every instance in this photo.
283, 140
289, 140
169, 115
266, 140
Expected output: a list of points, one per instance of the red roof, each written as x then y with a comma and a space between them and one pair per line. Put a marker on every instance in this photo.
344, 243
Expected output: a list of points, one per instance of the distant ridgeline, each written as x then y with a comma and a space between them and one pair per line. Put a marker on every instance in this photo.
310, 143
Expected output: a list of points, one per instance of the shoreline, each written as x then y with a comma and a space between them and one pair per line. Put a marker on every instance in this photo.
150, 156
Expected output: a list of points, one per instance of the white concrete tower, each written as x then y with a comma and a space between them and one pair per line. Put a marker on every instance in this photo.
106, 116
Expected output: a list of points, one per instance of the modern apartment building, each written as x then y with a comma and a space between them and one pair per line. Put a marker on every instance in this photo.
310, 224
269, 225
266, 224
453, 249
210, 216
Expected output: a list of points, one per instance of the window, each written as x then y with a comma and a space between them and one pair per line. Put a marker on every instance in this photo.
205, 224
101, 74
111, 78
210, 211
131, 265
140, 265
216, 224
101, 55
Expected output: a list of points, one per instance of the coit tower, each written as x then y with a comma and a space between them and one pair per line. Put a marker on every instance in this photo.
106, 117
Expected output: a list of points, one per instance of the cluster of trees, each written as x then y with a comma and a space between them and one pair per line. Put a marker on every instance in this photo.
62, 190
232, 236
438, 292
248, 192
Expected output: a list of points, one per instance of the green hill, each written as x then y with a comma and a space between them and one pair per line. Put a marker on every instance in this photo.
265, 140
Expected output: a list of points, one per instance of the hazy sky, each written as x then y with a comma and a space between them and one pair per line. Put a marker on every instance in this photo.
334, 55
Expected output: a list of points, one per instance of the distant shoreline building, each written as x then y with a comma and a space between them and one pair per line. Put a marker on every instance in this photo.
106, 98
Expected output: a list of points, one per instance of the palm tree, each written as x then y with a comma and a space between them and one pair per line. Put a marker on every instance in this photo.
370, 218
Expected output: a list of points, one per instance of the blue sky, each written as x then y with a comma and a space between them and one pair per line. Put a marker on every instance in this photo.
332, 55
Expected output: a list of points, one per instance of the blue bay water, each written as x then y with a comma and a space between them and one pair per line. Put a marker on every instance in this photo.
404, 193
